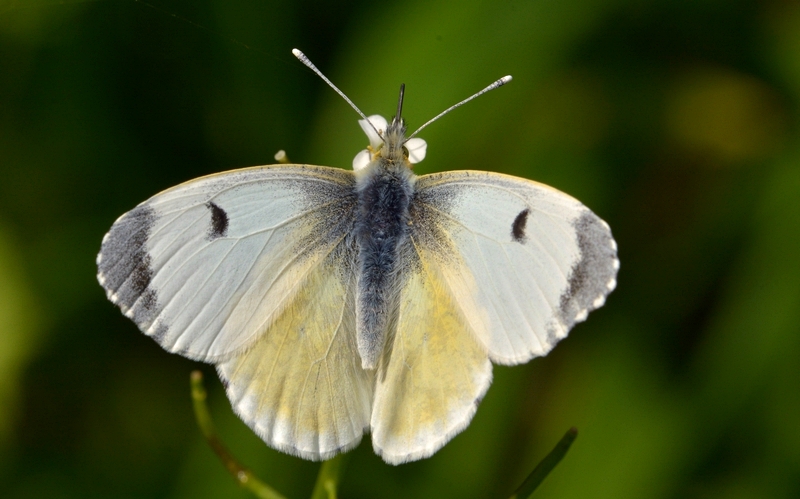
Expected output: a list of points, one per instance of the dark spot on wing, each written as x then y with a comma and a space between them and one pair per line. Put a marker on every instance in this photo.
124, 265
518, 227
591, 274
219, 221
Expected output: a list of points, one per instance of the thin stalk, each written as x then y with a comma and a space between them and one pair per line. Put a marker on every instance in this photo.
547, 464
244, 476
328, 478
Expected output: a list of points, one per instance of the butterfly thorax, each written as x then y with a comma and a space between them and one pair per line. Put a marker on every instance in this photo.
384, 195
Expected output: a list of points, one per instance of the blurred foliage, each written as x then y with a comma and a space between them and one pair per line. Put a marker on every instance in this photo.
675, 120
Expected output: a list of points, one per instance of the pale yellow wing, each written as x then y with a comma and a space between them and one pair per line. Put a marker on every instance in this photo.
301, 387
434, 371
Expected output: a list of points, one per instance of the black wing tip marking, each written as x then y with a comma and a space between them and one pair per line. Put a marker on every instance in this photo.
124, 266
159, 334
593, 275
518, 226
219, 221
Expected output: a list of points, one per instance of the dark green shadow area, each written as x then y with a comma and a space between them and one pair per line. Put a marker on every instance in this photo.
675, 121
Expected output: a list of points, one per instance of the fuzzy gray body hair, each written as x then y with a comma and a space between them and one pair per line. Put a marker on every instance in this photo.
381, 229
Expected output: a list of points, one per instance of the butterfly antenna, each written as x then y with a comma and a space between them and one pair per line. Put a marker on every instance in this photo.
305, 60
400, 101
499, 83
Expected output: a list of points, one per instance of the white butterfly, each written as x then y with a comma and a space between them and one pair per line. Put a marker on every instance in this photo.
336, 303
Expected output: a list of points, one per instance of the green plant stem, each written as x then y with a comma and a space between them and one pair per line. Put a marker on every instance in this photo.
547, 464
328, 477
241, 474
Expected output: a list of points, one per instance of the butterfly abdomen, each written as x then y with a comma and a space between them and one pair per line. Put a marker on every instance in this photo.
381, 227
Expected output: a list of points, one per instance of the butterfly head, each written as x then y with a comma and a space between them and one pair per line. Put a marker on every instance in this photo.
388, 141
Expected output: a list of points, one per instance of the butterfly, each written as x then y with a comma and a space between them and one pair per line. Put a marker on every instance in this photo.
335, 302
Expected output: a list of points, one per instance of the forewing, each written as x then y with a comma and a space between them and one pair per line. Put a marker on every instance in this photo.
527, 262
206, 267
434, 371
301, 387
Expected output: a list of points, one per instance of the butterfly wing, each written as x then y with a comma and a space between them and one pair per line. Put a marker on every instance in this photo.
497, 268
301, 387
522, 261
434, 370
206, 267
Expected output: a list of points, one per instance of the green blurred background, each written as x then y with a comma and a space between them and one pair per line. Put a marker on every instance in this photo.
674, 120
